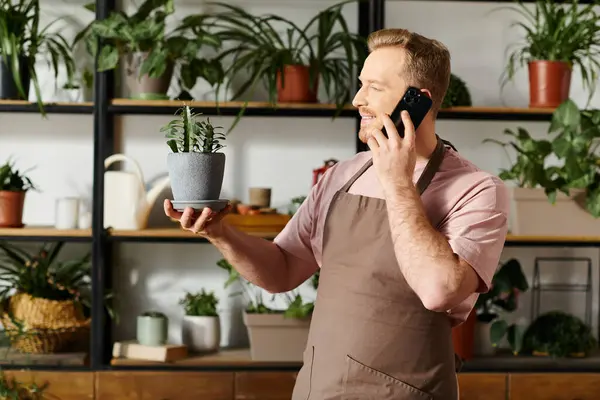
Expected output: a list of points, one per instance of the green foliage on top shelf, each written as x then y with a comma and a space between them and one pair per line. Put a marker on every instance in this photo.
23, 40
558, 32
145, 32
458, 94
13, 180
574, 143
261, 49
187, 135
40, 275
201, 304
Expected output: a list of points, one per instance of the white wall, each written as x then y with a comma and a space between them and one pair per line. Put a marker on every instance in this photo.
275, 152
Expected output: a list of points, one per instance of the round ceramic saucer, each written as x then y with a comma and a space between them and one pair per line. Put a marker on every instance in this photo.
215, 205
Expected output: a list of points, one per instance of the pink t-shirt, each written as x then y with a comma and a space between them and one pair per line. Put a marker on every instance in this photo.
469, 206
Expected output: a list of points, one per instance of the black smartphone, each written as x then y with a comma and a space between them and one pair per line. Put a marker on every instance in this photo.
416, 103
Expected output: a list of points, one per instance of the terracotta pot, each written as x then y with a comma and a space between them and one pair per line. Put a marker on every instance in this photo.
296, 87
11, 209
463, 337
549, 83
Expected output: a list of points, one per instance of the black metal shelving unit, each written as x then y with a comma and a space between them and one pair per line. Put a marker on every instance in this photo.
371, 17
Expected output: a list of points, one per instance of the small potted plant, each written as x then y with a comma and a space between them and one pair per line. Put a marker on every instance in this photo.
45, 303
458, 94
275, 334
558, 334
14, 184
503, 297
152, 328
558, 37
201, 328
196, 166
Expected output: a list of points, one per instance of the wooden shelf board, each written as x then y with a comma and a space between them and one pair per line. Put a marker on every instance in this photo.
552, 239
225, 357
29, 103
176, 233
498, 110
240, 358
225, 104
44, 231
12, 357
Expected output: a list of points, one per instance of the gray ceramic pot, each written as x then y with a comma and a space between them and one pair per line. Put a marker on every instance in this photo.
196, 176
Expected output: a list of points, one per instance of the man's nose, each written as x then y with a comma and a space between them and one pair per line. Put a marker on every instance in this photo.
359, 99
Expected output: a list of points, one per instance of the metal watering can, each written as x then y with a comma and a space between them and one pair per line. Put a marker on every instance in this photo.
127, 205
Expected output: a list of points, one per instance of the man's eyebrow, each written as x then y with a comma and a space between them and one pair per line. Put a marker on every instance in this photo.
372, 81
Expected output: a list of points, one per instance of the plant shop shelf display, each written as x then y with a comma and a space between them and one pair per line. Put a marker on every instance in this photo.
302, 71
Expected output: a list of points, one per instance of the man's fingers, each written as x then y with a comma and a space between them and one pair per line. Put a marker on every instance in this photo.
187, 218
379, 137
204, 218
390, 128
409, 129
170, 211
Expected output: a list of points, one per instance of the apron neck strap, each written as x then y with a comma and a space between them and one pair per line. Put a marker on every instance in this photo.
433, 165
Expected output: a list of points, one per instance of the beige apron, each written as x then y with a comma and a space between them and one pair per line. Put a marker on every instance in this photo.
370, 336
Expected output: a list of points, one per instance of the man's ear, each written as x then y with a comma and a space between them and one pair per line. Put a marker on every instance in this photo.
427, 92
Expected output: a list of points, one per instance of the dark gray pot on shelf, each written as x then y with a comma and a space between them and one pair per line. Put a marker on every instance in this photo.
196, 176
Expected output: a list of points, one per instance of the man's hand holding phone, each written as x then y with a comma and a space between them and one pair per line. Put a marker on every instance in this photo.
394, 157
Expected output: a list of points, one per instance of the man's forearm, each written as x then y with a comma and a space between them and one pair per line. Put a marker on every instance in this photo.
259, 261
426, 259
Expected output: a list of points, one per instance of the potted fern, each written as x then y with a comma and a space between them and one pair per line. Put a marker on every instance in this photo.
291, 61
196, 166
45, 303
14, 184
201, 328
275, 334
558, 37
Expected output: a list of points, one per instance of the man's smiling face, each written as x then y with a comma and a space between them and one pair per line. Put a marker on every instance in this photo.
382, 85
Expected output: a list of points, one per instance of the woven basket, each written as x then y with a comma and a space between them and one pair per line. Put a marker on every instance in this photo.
47, 326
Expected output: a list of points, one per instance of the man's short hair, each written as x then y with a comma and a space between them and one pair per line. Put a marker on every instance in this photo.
427, 60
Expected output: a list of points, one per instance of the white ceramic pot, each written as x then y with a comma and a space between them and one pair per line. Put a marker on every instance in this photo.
483, 344
201, 334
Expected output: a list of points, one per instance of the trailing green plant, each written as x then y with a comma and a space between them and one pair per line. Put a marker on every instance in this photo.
458, 94
558, 334
12, 389
558, 32
145, 31
508, 283
297, 307
200, 304
40, 275
13, 180
23, 40
187, 135
574, 143
263, 45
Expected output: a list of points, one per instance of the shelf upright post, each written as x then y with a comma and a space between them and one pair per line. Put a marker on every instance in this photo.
100, 340
371, 17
